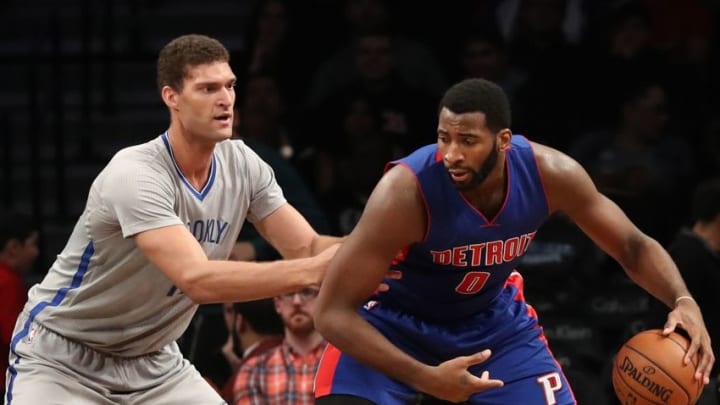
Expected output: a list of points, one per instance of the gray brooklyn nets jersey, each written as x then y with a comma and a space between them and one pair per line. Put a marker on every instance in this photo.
101, 291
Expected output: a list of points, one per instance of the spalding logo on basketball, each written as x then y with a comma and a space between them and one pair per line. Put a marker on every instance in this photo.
648, 370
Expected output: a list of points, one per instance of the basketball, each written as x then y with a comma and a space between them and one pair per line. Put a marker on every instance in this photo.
648, 369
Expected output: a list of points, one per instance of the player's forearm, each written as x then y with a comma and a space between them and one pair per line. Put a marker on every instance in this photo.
232, 281
309, 246
652, 268
322, 242
353, 335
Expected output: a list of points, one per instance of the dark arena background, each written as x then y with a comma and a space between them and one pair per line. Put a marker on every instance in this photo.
339, 87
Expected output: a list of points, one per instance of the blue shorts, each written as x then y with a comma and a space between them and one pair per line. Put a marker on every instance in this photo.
520, 355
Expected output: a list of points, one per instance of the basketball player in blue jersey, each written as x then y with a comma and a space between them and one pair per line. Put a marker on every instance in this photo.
454, 217
152, 243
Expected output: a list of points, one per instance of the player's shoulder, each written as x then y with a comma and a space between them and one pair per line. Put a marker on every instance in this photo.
140, 155
233, 145
236, 151
564, 179
427, 153
418, 160
552, 162
146, 160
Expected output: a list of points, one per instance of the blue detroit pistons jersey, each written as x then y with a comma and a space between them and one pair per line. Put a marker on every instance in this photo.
465, 258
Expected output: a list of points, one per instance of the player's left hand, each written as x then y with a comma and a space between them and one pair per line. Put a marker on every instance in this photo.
687, 316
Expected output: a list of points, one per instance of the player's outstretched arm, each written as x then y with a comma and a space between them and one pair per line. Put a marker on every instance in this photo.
394, 217
292, 235
175, 251
570, 190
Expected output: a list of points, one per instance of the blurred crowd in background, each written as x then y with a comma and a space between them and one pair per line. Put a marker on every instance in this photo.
330, 91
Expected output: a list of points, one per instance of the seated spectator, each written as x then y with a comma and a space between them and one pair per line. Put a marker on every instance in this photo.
414, 62
275, 43
622, 47
405, 110
639, 163
285, 374
260, 117
251, 245
18, 251
254, 329
484, 55
696, 251
350, 163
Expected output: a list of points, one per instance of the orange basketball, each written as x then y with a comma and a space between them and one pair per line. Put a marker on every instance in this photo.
649, 370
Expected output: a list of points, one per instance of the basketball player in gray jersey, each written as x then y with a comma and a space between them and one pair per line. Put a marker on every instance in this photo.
152, 244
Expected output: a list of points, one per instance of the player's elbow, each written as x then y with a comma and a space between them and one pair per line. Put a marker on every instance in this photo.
332, 318
200, 296
193, 284
324, 318
197, 294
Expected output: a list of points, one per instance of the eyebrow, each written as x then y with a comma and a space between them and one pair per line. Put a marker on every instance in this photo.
463, 134
216, 82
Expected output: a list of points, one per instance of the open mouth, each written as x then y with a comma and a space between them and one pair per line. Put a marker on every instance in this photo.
225, 119
459, 175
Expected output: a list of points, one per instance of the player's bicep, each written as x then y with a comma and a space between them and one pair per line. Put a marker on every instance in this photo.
287, 231
572, 191
393, 218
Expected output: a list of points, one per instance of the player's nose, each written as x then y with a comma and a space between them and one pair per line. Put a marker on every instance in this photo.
227, 97
452, 154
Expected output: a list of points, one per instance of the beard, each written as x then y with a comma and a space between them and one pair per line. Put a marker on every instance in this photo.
300, 323
477, 177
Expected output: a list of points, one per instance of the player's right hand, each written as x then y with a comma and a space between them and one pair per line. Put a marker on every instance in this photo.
453, 382
687, 316
321, 262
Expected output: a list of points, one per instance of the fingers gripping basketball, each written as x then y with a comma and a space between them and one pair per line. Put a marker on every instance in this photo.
649, 369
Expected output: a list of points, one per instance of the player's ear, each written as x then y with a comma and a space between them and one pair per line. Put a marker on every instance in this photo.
169, 96
503, 139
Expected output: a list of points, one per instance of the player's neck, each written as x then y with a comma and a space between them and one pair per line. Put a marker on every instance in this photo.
192, 157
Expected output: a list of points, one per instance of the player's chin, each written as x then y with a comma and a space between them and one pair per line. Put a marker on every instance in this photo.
223, 134
463, 185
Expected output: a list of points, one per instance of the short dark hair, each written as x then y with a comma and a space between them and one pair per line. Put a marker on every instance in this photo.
185, 52
706, 201
15, 225
261, 315
479, 95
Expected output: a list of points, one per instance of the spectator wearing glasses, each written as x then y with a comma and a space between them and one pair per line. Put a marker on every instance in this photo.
285, 374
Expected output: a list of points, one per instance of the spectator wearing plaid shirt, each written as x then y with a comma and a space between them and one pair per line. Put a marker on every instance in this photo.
285, 374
